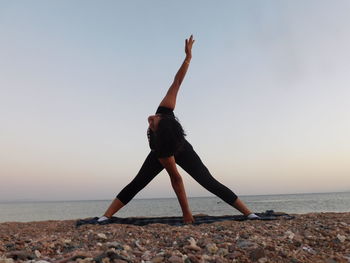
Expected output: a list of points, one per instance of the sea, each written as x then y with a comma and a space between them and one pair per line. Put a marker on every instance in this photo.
27, 211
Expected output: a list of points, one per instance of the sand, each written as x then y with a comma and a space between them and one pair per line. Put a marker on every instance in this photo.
314, 237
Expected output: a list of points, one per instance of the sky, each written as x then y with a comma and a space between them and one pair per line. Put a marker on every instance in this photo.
265, 102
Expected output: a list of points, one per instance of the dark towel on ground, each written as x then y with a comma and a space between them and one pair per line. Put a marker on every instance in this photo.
178, 221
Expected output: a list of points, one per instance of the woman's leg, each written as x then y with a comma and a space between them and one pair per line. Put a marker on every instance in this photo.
193, 165
150, 168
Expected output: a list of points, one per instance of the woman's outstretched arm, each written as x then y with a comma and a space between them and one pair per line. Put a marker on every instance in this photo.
169, 100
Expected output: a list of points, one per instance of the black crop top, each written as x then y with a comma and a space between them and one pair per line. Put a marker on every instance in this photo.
152, 138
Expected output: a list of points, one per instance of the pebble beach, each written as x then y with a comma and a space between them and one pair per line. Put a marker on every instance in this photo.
313, 237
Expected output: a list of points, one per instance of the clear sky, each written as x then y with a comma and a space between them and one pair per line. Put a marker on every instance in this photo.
265, 102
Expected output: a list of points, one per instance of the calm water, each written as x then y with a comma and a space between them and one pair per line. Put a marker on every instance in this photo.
295, 203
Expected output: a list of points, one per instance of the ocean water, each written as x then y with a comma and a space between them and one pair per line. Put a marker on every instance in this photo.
61, 210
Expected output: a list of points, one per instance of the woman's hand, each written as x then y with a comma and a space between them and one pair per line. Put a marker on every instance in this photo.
188, 46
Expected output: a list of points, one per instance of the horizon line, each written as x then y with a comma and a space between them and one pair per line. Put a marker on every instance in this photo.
150, 198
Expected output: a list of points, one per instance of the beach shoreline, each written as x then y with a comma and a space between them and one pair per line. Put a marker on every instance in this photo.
312, 237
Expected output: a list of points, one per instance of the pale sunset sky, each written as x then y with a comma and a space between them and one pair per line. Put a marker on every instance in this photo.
265, 102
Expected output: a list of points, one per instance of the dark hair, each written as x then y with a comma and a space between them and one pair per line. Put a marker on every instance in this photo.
170, 135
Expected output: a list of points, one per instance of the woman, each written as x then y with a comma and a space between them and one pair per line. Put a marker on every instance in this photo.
168, 148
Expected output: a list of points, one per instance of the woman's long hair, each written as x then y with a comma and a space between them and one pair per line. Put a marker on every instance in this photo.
170, 135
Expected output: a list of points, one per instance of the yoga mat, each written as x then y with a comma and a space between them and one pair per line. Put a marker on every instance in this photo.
177, 220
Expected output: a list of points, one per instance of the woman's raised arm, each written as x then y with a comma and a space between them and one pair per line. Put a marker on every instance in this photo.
169, 100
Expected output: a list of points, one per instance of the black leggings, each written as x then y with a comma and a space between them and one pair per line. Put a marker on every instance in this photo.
188, 159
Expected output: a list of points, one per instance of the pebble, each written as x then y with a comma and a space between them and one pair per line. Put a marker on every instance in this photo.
341, 238
309, 249
110, 255
192, 245
114, 244
256, 254
37, 253
21, 255
263, 260
146, 255
85, 260
126, 247
212, 248
194, 258
289, 234
222, 252
243, 243
157, 259
67, 241
314, 237
175, 259
101, 236
137, 243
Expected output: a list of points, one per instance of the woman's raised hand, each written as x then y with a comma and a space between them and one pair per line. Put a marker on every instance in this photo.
188, 46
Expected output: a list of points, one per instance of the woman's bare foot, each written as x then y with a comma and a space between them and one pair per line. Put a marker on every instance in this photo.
240, 206
188, 219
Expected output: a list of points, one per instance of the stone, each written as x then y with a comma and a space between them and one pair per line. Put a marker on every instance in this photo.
217, 259
67, 241
37, 253
20, 255
6, 260
206, 258
195, 258
341, 238
192, 245
146, 255
212, 248
330, 260
263, 260
124, 253
231, 256
289, 234
115, 245
192, 241
256, 254
347, 257
309, 249
137, 243
111, 255
175, 259
126, 247
102, 236
222, 252
157, 259
243, 243
83, 260
52, 245
10, 245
